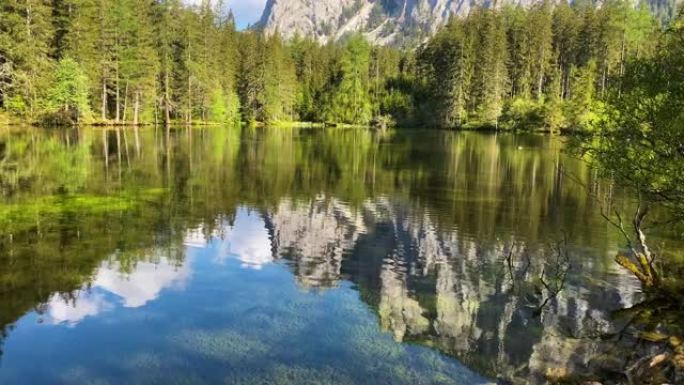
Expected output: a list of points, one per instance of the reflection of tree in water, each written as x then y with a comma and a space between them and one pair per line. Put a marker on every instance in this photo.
421, 224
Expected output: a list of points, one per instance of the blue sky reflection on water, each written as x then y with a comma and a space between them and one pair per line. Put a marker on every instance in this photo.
227, 314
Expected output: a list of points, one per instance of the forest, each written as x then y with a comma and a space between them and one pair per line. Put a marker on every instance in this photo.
548, 67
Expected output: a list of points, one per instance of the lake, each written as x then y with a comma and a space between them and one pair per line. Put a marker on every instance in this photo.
301, 256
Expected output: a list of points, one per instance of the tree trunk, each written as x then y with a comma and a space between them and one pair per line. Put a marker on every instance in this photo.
136, 108
118, 97
604, 79
623, 49
189, 117
125, 106
28, 19
540, 83
167, 107
104, 97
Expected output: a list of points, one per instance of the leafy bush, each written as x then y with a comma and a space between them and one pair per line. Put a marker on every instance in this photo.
524, 114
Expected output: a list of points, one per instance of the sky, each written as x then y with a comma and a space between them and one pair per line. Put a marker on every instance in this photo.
246, 11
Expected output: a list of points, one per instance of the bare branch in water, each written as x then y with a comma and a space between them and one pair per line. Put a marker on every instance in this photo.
640, 260
557, 282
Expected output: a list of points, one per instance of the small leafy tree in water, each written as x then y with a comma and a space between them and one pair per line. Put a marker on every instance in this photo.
67, 98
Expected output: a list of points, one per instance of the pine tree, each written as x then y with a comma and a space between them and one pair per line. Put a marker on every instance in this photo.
225, 68
583, 104
447, 67
490, 78
137, 61
540, 32
279, 81
251, 87
26, 37
167, 30
566, 27
519, 48
350, 100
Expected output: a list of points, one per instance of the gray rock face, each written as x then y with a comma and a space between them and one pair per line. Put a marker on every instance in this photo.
387, 22
382, 21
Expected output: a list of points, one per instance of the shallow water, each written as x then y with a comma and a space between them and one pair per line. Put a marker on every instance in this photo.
297, 256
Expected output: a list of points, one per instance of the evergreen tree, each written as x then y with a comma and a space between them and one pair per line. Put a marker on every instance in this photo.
167, 30
519, 47
350, 99
543, 66
566, 29
251, 87
540, 32
280, 89
583, 107
26, 37
447, 69
490, 77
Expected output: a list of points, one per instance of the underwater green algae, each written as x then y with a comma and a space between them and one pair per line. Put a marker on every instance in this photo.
18, 216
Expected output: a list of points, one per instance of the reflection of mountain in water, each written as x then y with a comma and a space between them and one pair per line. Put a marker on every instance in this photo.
444, 289
418, 221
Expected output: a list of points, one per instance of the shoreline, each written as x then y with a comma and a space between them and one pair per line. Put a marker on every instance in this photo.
9, 122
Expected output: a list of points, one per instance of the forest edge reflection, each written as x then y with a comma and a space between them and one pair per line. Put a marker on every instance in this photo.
422, 224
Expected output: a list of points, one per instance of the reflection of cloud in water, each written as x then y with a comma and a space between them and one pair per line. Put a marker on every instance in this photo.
62, 310
247, 240
133, 290
144, 284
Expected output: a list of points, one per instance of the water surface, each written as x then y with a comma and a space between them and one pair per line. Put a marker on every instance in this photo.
299, 256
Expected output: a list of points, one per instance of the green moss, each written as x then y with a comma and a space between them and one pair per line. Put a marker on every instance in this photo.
18, 216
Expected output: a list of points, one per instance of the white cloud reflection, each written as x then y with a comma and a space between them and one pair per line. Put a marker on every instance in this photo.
247, 240
111, 287
144, 284
71, 312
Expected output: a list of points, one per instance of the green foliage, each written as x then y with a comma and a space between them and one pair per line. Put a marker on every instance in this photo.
642, 142
26, 33
17, 105
584, 110
224, 108
551, 66
524, 114
350, 100
67, 98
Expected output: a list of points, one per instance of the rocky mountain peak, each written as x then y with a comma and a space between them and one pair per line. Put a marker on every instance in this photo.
382, 21
386, 22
